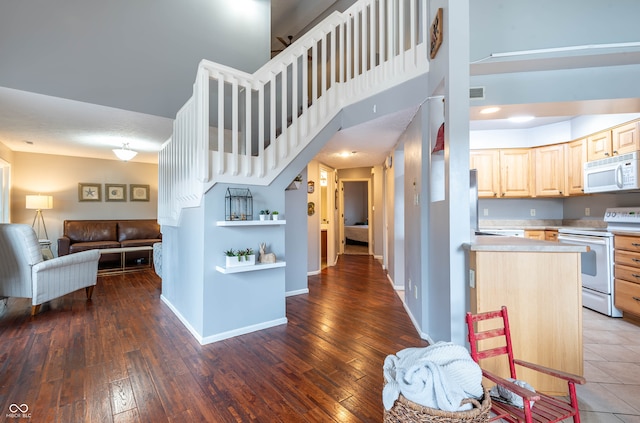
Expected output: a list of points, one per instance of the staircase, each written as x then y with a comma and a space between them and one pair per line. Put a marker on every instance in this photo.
246, 128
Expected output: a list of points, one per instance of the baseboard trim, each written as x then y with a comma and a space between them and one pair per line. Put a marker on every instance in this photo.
224, 335
297, 292
242, 331
182, 319
417, 326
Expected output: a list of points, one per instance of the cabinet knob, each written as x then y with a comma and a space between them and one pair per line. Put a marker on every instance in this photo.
615, 151
606, 154
636, 298
635, 244
635, 275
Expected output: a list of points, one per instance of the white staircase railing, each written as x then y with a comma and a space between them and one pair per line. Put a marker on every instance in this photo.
246, 128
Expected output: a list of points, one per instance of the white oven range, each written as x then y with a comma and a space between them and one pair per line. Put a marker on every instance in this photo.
597, 267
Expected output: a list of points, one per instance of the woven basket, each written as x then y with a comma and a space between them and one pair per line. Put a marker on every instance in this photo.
405, 411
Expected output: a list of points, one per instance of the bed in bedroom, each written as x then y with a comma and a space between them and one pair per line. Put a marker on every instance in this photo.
356, 234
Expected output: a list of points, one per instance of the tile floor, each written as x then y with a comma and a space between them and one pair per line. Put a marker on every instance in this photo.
612, 370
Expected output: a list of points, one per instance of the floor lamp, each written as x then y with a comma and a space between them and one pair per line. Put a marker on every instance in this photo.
39, 203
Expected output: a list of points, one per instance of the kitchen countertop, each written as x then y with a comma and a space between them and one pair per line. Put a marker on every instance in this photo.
517, 244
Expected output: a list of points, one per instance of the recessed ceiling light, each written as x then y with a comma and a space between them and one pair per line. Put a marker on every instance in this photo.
521, 119
489, 110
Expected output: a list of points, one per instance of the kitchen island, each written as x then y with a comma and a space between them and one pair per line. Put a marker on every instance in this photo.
540, 283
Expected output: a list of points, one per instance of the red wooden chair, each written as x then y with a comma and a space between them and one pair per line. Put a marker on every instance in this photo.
545, 408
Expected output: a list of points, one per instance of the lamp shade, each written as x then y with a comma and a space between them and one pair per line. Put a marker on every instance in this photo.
39, 202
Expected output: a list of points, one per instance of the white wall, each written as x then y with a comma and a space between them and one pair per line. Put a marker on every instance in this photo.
59, 176
139, 56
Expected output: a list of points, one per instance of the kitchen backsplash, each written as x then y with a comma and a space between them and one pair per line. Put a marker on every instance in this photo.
540, 223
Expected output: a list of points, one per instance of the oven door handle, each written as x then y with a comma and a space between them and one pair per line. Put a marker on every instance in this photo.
582, 239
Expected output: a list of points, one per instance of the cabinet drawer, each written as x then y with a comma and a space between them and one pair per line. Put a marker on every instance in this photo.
631, 274
627, 258
631, 243
627, 297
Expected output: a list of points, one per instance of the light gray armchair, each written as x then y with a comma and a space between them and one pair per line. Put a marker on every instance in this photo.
24, 273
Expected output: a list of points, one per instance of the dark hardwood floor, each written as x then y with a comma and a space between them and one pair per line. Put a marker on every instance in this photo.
124, 356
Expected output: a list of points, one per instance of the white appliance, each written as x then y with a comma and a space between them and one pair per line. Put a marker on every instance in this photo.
597, 267
617, 173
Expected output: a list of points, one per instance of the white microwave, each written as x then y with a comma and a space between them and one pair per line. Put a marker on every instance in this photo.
617, 173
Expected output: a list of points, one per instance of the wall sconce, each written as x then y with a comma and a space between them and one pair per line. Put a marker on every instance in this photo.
39, 203
124, 153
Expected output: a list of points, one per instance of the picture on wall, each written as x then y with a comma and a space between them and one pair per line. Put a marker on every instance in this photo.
115, 192
89, 192
139, 192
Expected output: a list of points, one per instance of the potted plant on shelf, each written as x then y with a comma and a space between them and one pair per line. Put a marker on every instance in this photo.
274, 215
237, 258
264, 214
295, 184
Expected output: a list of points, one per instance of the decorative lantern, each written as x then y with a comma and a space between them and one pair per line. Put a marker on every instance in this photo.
238, 204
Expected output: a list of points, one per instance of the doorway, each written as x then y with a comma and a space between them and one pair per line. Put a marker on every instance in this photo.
355, 232
327, 217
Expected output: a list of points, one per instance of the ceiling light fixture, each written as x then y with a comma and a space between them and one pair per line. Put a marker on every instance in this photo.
521, 119
124, 153
489, 110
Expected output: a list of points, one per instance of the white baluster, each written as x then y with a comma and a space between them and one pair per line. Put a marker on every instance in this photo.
284, 101
221, 152
235, 144
272, 121
261, 112
247, 129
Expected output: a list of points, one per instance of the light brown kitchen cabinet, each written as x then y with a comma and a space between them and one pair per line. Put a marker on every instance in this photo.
599, 146
487, 162
551, 235
550, 170
534, 234
627, 275
542, 291
626, 138
576, 157
515, 173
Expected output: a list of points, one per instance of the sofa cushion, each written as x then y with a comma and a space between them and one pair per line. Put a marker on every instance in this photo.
138, 229
92, 245
90, 231
140, 242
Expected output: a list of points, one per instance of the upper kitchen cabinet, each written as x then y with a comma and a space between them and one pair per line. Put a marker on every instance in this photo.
503, 173
550, 170
599, 146
626, 138
515, 173
576, 155
487, 162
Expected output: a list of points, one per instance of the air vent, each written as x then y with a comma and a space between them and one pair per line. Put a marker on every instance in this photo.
476, 93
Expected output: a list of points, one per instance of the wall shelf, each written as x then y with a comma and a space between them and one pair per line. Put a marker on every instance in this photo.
250, 222
250, 268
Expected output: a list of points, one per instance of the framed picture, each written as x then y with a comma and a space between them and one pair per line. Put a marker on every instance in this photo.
115, 192
435, 37
89, 192
138, 192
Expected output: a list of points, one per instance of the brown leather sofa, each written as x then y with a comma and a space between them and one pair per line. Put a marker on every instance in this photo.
82, 235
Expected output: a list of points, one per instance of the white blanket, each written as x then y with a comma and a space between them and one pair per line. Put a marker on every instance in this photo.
439, 376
